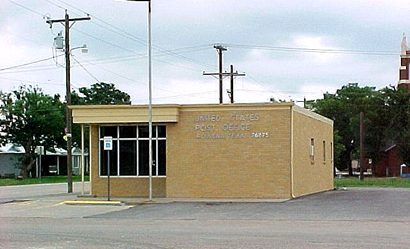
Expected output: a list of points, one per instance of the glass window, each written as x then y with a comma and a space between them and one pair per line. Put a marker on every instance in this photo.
128, 132
154, 161
143, 131
162, 153
312, 149
104, 159
324, 151
128, 158
162, 132
143, 158
108, 131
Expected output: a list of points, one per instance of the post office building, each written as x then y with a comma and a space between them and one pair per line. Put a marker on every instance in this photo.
264, 150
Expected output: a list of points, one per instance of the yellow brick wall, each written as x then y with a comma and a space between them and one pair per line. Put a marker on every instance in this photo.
202, 164
212, 152
311, 176
121, 186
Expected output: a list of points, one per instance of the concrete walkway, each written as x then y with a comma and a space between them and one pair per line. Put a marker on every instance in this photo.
35, 191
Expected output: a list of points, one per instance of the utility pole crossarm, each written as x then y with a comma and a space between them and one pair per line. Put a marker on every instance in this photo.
220, 47
238, 74
70, 20
220, 74
223, 74
232, 75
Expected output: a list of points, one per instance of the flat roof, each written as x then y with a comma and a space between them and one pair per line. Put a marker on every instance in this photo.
168, 113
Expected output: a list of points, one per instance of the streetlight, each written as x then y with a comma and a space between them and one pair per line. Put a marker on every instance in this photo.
149, 95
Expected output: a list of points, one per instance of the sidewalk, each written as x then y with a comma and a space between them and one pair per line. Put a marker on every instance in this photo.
90, 200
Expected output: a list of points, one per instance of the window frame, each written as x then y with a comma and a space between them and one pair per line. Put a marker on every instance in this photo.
324, 151
312, 150
118, 139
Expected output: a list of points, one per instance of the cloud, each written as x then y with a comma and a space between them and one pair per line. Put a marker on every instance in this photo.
318, 24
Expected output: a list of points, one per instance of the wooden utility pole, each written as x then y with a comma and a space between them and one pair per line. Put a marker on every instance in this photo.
232, 74
221, 74
362, 158
66, 23
231, 92
220, 50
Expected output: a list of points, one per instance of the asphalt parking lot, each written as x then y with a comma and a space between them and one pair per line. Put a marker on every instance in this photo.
352, 218
352, 204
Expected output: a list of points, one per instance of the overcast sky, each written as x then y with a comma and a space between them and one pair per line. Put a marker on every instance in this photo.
287, 49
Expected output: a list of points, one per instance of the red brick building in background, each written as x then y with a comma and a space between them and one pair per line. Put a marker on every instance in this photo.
404, 72
389, 164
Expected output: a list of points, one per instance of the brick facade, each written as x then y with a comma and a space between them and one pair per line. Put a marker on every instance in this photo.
404, 71
229, 151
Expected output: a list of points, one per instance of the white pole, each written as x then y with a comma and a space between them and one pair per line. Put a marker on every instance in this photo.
37, 169
149, 97
82, 159
40, 162
150, 100
58, 165
90, 141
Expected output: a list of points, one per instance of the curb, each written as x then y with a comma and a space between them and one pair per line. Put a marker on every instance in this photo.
84, 203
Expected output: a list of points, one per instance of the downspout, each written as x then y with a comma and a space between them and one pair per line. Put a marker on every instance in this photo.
291, 153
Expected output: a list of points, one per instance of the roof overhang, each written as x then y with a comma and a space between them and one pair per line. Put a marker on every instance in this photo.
106, 114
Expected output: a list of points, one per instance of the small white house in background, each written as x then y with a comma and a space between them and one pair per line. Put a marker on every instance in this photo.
55, 162
52, 162
76, 153
9, 160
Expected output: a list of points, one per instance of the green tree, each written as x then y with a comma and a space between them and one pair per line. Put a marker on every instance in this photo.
98, 94
398, 129
344, 108
31, 118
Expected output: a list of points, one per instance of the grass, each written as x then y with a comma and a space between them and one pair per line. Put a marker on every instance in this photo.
44, 179
391, 182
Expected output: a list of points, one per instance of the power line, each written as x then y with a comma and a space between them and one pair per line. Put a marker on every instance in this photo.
112, 60
113, 28
77, 30
272, 91
32, 70
104, 41
28, 63
312, 50
85, 69
109, 60
175, 65
186, 94
24, 38
126, 34
58, 6
27, 8
127, 78
30, 81
103, 61
47, 67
